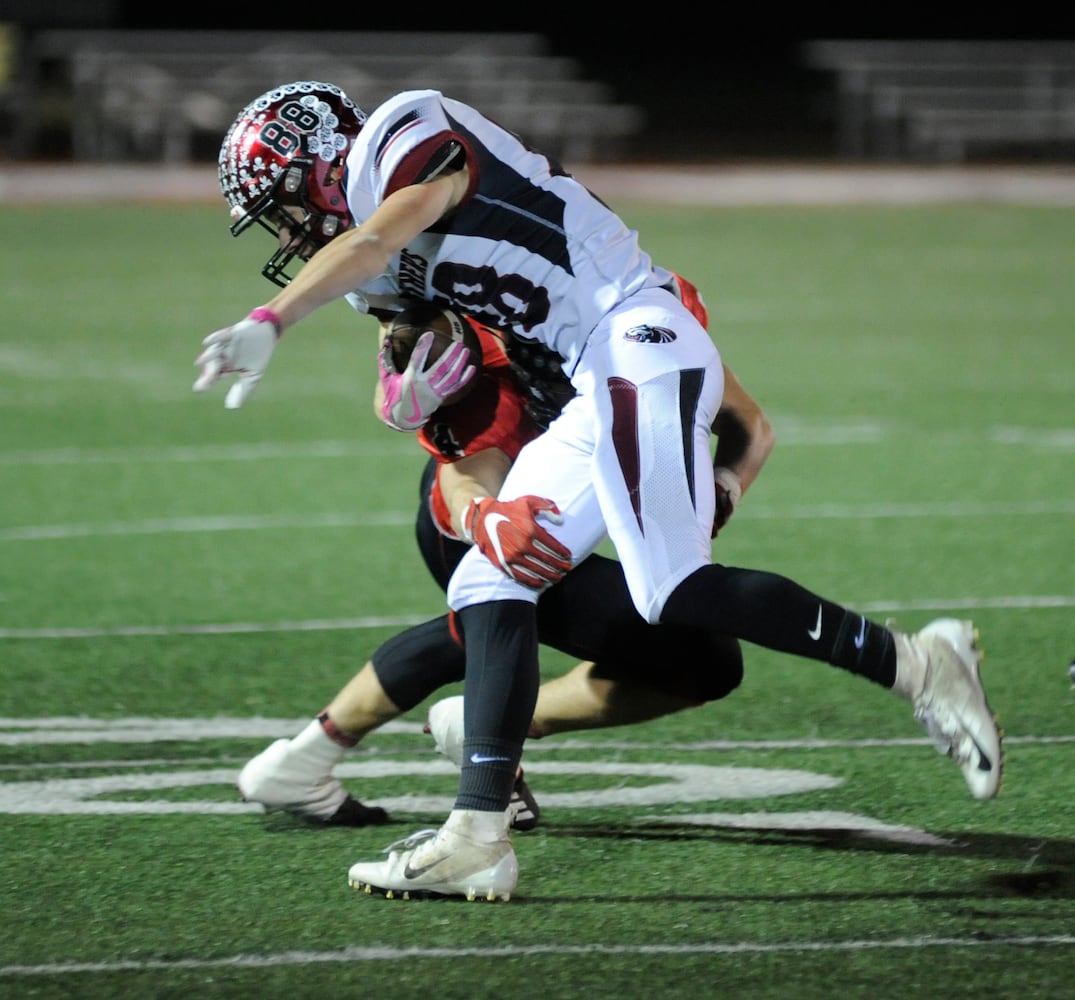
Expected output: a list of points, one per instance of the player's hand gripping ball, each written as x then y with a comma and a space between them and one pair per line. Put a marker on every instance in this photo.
428, 359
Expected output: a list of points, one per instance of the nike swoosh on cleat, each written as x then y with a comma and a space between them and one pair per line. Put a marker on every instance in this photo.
815, 632
984, 763
409, 872
860, 639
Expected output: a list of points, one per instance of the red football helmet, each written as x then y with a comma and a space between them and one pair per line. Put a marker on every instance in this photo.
281, 165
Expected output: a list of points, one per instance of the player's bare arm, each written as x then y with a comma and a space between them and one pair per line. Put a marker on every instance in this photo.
745, 438
473, 476
359, 255
345, 264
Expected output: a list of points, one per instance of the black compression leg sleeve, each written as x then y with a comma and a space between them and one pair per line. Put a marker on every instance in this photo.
772, 611
500, 692
415, 663
590, 614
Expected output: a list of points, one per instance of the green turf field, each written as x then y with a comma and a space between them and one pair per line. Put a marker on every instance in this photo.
180, 584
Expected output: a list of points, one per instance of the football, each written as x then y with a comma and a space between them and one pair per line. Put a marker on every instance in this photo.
447, 327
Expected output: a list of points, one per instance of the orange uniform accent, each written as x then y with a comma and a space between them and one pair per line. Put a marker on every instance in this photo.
493, 415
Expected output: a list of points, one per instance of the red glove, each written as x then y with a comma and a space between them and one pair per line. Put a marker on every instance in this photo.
692, 299
729, 491
508, 535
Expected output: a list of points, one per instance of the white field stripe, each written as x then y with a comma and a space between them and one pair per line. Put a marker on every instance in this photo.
209, 453
935, 509
59, 732
385, 953
226, 628
1026, 601
1063, 438
793, 432
395, 518
141, 729
206, 525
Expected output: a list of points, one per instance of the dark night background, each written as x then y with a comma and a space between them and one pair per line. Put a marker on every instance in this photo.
714, 82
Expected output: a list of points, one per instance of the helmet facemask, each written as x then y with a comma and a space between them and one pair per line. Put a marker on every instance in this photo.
281, 165
288, 207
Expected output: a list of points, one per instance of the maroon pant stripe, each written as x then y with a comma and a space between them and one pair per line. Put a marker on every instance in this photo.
624, 396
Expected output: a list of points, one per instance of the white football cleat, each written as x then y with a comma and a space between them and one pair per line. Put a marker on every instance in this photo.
937, 671
444, 862
282, 781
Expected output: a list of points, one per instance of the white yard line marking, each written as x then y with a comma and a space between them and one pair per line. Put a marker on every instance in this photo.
225, 628
386, 953
71, 729
205, 525
794, 431
208, 453
415, 729
848, 512
396, 518
1018, 601
140, 729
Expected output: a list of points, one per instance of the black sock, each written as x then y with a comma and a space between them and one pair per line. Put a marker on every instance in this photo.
865, 648
487, 775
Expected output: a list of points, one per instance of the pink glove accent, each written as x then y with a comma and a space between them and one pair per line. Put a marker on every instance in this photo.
412, 396
243, 349
263, 314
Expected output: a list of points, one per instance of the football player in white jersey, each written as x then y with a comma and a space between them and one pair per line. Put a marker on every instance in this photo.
631, 672
427, 199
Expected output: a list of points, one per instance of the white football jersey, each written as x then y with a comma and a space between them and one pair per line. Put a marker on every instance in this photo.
529, 249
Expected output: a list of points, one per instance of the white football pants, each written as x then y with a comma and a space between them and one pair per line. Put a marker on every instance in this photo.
628, 457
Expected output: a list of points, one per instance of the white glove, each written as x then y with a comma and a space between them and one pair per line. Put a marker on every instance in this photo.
243, 349
412, 396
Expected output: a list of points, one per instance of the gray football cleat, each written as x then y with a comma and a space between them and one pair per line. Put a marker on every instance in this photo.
937, 670
444, 862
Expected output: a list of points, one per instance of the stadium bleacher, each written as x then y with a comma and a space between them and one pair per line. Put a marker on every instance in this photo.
950, 101
169, 96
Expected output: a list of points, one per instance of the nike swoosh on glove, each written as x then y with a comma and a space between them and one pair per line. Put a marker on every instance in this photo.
508, 535
244, 350
729, 493
412, 396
